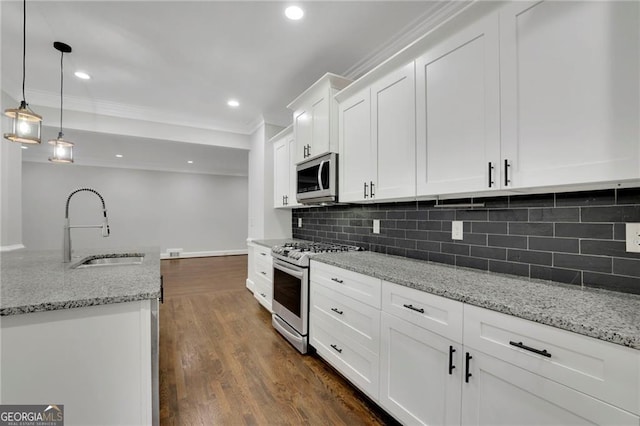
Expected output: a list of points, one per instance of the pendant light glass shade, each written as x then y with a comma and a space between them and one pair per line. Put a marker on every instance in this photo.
26, 125
62, 150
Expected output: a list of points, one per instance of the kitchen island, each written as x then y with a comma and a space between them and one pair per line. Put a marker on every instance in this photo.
84, 338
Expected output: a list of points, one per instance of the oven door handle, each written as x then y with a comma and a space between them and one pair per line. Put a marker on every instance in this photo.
298, 273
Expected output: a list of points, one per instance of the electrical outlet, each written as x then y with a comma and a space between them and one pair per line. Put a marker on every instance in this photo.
456, 230
299, 222
633, 237
376, 226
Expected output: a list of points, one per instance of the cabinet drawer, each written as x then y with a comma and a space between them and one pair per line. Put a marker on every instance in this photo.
264, 266
355, 362
263, 291
356, 321
357, 286
434, 313
601, 369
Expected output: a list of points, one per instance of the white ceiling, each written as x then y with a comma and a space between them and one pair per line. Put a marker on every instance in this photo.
178, 62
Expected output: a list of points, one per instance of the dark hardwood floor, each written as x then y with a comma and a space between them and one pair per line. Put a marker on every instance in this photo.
221, 362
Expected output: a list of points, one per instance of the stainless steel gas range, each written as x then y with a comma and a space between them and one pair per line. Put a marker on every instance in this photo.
291, 287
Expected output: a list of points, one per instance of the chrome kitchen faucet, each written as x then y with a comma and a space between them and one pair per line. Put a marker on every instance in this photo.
66, 243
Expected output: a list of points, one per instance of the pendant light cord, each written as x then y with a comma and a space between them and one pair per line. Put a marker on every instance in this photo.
24, 45
61, 86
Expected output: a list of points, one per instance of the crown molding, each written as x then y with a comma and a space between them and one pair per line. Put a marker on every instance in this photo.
439, 13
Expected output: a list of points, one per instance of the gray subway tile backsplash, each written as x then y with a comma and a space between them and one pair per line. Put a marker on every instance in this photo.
575, 238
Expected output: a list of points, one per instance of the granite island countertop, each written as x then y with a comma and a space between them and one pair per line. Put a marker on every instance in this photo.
603, 314
34, 281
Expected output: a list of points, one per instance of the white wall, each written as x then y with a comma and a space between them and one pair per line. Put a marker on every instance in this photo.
195, 212
264, 220
10, 182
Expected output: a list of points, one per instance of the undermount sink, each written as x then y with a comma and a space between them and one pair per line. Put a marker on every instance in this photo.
112, 259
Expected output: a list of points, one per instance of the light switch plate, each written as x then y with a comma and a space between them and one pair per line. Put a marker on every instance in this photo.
376, 226
456, 230
299, 222
633, 237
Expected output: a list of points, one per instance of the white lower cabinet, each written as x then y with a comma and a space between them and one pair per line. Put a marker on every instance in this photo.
420, 375
260, 274
431, 360
344, 331
499, 393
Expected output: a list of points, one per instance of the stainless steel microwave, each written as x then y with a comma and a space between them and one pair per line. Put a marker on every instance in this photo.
317, 180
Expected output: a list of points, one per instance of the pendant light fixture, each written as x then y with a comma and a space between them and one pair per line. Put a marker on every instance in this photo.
62, 150
26, 124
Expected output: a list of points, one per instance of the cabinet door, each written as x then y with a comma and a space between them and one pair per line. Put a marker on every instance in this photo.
570, 92
356, 156
499, 393
457, 104
293, 176
303, 132
320, 124
416, 384
393, 110
281, 169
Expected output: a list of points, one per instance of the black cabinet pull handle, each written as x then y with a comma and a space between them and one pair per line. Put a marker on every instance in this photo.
365, 190
507, 181
466, 367
339, 312
490, 174
336, 348
451, 366
371, 185
263, 295
337, 280
263, 273
413, 308
161, 289
530, 349
263, 254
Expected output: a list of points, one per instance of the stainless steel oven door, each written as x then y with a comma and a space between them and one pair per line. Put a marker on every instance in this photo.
291, 295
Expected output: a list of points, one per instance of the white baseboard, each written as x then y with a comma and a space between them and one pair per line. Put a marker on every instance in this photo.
11, 247
187, 254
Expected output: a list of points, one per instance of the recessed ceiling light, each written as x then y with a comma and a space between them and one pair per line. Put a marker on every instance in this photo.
24, 147
233, 103
190, 161
82, 75
119, 155
294, 13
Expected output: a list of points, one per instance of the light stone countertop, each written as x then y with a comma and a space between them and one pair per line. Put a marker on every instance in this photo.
33, 281
275, 242
605, 315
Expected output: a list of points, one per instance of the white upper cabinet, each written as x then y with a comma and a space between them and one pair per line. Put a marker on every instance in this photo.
315, 117
377, 139
284, 170
281, 172
458, 112
570, 91
393, 134
292, 201
535, 94
356, 155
